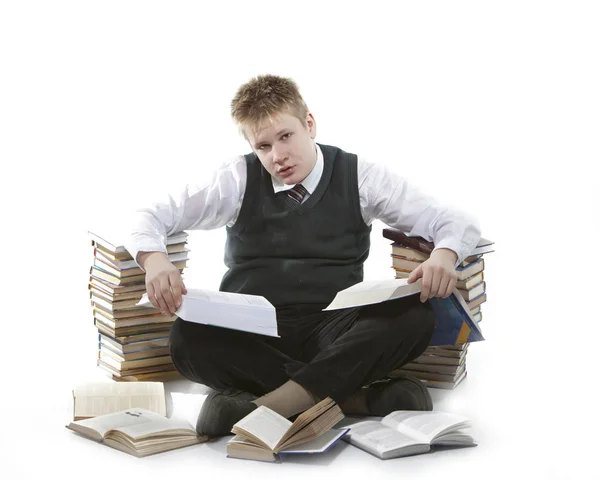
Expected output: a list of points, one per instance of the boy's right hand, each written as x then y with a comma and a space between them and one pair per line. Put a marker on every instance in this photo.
164, 284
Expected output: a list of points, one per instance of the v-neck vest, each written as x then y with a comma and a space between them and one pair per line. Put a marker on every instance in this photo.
298, 256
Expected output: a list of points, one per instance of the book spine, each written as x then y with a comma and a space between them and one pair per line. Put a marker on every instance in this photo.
416, 243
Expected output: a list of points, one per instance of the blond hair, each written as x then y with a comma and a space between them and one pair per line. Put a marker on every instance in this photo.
264, 97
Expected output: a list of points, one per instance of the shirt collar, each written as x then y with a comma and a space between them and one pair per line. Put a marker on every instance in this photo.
310, 182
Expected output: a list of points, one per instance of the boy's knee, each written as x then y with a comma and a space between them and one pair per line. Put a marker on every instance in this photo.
188, 338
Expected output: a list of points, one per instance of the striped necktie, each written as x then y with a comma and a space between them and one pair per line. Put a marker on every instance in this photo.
297, 193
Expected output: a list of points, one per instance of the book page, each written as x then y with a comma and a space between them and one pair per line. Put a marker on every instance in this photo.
423, 426
319, 444
378, 437
228, 297
101, 398
374, 291
114, 421
265, 424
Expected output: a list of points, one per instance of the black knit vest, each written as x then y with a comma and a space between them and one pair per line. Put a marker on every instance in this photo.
298, 256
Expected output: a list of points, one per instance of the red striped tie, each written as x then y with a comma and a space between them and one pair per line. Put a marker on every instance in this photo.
297, 193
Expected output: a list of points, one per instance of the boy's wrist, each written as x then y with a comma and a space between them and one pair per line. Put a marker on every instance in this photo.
144, 258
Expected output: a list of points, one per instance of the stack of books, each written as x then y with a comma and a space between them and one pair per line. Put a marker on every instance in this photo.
441, 366
133, 340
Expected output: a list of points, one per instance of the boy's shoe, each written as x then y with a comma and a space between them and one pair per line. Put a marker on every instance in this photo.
221, 410
402, 393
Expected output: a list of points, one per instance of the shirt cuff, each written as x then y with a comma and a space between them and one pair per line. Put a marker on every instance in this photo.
455, 247
134, 247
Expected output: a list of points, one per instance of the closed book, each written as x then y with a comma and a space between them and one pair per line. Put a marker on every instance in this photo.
435, 368
125, 256
432, 376
119, 364
113, 289
128, 345
470, 282
130, 321
418, 243
136, 354
117, 331
112, 240
131, 264
473, 292
446, 385
134, 371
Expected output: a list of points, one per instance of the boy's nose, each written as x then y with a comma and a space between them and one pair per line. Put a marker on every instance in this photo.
279, 156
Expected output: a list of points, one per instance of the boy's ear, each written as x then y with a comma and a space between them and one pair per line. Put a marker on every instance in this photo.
311, 124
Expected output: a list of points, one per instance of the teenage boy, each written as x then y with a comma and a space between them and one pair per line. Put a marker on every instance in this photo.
298, 216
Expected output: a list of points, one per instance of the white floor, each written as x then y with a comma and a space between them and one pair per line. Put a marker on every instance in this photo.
35, 442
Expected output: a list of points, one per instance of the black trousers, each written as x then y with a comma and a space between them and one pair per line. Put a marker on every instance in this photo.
331, 354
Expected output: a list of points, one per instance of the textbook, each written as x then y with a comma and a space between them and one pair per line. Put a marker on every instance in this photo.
100, 398
420, 244
138, 432
404, 433
265, 435
237, 311
453, 321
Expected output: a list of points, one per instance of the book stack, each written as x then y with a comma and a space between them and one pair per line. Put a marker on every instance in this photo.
133, 340
441, 366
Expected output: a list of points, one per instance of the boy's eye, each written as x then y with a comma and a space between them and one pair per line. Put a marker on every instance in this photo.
286, 135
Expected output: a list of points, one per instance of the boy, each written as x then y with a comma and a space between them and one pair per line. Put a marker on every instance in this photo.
298, 218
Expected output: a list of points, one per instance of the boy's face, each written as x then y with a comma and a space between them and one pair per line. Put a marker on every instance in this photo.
286, 148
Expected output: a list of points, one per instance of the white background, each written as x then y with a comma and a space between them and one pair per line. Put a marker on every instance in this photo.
492, 107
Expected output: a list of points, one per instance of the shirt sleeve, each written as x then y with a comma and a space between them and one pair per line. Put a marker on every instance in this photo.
386, 196
210, 204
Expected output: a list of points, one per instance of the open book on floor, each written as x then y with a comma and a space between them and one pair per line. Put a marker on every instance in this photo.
237, 311
138, 432
93, 399
265, 435
404, 433
454, 323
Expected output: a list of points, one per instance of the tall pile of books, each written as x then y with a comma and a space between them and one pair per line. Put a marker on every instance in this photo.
441, 366
133, 341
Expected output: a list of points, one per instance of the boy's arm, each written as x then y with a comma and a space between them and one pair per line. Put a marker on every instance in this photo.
207, 205
386, 196
211, 204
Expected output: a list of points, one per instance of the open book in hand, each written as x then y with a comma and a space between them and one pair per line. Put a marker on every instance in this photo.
237, 311
453, 321
138, 432
404, 433
266, 435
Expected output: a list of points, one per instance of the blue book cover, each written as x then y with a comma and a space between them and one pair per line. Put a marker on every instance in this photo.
453, 321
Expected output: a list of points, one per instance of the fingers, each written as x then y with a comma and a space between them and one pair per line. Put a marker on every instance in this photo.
437, 282
151, 295
451, 285
177, 288
415, 274
426, 288
167, 295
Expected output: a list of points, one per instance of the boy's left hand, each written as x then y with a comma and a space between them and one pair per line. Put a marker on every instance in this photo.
438, 273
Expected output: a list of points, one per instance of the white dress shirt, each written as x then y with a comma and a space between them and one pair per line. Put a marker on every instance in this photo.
383, 195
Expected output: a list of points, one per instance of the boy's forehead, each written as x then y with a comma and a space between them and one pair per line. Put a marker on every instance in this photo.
270, 126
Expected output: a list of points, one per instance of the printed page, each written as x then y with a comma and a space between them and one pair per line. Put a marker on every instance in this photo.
374, 291
101, 398
265, 424
249, 313
378, 437
228, 298
150, 423
424, 426
319, 444
117, 420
